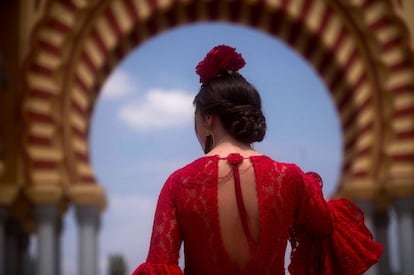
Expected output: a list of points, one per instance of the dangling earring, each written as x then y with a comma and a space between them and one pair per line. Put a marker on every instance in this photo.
210, 142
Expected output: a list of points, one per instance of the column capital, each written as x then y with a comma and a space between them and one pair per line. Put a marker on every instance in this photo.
360, 190
44, 193
92, 194
8, 194
401, 187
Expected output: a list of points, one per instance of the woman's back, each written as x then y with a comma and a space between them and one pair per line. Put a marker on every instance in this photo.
218, 237
197, 206
235, 236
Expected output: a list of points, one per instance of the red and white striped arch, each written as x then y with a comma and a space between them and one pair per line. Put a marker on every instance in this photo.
358, 48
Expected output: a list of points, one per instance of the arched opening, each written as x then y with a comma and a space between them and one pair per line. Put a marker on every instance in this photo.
133, 152
71, 55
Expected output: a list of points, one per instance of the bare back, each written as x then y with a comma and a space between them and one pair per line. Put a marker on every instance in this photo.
235, 236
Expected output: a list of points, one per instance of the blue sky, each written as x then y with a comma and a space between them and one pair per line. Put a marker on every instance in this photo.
143, 129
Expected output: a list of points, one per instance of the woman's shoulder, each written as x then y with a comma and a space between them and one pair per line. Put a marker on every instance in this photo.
279, 165
270, 167
197, 166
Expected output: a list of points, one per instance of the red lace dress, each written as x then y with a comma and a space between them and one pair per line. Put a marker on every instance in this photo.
326, 237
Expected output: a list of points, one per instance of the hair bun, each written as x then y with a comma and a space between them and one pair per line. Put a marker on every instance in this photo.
247, 125
218, 61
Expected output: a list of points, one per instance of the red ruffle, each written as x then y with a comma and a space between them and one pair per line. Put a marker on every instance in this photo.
351, 247
348, 250
158, 269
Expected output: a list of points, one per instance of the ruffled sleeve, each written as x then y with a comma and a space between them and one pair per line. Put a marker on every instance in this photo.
166, 236
351, 248
158, 269
347, 248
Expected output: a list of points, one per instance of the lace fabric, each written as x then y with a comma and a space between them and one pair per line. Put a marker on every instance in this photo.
291, 208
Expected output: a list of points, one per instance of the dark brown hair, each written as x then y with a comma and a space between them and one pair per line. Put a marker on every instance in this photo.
238, 105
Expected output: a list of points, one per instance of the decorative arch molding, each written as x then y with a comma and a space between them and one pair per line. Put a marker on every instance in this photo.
359, 48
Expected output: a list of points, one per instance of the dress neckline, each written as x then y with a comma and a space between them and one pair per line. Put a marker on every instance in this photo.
230, 155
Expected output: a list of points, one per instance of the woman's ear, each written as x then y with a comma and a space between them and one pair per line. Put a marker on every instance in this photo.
209, 121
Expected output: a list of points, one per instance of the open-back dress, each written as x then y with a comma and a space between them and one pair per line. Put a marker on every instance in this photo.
236, 214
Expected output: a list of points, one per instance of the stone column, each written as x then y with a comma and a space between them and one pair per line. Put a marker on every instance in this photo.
22, 252
11, 257
381, 222
16, 248
88, 226
405, 209
46, 215
368, 209
58, 233
2, 239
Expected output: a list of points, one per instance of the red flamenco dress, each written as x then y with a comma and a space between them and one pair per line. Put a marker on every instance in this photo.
327, 238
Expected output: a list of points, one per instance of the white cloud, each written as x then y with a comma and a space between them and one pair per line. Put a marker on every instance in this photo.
160, 109
119, 84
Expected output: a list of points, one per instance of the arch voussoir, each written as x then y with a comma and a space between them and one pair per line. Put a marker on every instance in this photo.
357, 48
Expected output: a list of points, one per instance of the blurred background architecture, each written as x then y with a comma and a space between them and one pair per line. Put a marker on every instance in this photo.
56, 54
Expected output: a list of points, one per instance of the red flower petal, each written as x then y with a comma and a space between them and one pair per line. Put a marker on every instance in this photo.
219, 60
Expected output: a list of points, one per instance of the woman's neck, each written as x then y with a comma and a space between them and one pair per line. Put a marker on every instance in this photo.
226, 145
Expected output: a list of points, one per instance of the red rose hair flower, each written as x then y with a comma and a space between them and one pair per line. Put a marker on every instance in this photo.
218, 61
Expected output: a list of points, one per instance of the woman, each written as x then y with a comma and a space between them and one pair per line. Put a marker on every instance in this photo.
235, 208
